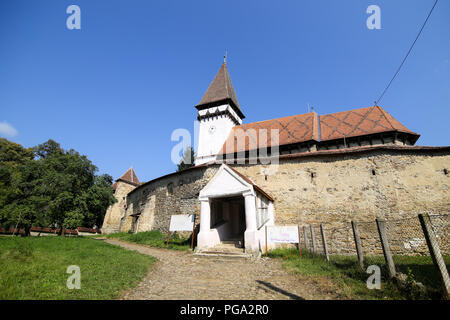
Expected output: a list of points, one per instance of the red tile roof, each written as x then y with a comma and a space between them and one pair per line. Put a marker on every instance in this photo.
293, 129
129, 177
359, 122
305, 127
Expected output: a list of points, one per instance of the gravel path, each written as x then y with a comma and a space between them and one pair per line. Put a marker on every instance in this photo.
183, 275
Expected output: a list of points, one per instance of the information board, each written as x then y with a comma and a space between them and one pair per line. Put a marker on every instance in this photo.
283, 234
181, 222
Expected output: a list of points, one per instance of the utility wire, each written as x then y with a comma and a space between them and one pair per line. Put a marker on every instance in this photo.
404, 59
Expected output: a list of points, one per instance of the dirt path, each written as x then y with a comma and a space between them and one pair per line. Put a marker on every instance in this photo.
182, 275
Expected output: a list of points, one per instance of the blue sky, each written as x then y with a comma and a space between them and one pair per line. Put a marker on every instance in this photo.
116, 89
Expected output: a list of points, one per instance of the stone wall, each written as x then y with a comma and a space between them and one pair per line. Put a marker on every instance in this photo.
332, 189
114, 214
336, 189
173, 194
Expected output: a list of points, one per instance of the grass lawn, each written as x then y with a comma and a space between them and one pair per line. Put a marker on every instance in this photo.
35, 268
153, 238
350, 281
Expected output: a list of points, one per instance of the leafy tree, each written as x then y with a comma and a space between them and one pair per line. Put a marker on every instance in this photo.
97, 199
16, 164
188, 159
58, 188
12, 158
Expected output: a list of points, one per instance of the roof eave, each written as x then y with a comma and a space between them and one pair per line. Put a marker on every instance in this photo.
220, 102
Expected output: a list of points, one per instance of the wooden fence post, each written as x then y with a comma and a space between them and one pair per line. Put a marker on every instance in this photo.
305, 236
313, 239
435, 252
381, 225
358, 245
167, 240
324, 241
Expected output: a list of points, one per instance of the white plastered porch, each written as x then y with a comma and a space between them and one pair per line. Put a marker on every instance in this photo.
228, 183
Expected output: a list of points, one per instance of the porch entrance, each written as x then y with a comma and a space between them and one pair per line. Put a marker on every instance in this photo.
228, 218
229, 212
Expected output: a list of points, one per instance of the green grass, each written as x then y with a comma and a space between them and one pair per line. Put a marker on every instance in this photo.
153, 238
350, 280
422, 268
35, 268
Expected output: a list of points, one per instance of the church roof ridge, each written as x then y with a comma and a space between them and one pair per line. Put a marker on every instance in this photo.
280, 118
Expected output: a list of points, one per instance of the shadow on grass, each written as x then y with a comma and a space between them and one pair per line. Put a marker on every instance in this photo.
350, 278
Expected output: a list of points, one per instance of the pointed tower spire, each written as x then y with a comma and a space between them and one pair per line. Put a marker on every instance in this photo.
130, 177
221, 91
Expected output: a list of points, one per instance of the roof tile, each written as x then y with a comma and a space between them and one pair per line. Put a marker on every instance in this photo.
304, 127
293, 129
130, 176
221, 88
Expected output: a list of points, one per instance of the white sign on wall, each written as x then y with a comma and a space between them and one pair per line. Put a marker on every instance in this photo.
182, 222
283, 234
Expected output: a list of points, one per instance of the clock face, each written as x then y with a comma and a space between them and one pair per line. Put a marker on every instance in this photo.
211, 129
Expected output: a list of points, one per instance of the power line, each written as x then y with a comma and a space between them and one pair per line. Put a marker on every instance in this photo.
404, 59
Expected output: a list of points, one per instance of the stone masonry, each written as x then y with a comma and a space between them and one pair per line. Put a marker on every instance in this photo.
332, 188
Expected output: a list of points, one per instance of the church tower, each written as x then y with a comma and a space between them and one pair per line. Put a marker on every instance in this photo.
114, 214
218, 113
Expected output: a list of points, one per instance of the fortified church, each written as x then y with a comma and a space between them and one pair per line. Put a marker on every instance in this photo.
359, 164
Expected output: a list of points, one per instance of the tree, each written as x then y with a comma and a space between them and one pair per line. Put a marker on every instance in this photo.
78, 196
16, 198
188, 159
12, 158
58, 188
97, 199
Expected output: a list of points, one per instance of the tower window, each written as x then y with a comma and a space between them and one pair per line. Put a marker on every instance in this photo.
373, 172
445, 171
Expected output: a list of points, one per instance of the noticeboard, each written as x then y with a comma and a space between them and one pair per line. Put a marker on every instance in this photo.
283, 234
181, 222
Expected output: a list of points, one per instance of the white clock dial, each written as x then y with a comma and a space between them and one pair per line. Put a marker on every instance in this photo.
212, 129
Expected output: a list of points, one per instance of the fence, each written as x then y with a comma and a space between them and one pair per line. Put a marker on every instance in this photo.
420, 245
37, 231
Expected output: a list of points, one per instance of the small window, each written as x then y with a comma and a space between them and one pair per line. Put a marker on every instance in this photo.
170, 188
373, 172
445, 171
262, 211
